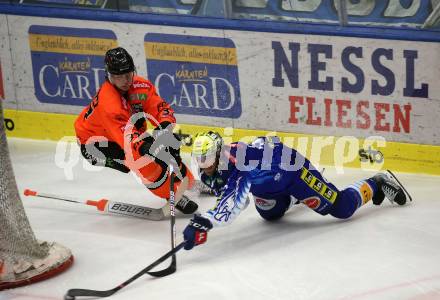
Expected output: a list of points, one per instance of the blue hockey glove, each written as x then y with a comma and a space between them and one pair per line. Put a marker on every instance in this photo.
196, 232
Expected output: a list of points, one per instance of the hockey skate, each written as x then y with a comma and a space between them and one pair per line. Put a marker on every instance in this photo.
186, 206
389, 187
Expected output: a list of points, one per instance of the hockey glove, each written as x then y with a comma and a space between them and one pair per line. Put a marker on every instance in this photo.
144, 148
162, 139
161, 130
172, 142
164, 128
196, 232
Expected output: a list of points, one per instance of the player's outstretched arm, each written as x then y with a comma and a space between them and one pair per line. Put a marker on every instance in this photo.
230, 204
232, 201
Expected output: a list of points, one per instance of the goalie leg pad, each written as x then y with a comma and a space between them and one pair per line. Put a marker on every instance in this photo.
25, 271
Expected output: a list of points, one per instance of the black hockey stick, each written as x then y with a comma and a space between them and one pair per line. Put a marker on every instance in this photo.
72, 293
173, 266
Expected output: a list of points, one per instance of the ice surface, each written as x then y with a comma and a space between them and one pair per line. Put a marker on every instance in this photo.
385, 252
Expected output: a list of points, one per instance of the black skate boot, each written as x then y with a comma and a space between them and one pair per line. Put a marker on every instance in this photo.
388, 188
186, 206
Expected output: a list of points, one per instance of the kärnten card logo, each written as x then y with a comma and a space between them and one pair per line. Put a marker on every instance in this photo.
68, 63
197, 75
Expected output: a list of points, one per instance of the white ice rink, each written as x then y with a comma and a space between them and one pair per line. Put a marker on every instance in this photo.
385, 252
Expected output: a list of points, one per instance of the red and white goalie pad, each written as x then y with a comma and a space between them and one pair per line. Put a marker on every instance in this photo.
20, 272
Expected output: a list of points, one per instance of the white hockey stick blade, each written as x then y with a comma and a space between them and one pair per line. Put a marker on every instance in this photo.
143, 212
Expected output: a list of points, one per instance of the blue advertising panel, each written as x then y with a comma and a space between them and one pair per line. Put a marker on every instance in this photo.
68, 63
197, 75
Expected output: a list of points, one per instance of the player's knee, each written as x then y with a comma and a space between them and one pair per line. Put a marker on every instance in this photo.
271, 209
342, 214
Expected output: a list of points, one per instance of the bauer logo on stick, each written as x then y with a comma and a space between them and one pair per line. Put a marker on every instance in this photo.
128, 209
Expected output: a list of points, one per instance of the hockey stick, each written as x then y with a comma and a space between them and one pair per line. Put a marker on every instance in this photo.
72, 293
111, 207
173, 266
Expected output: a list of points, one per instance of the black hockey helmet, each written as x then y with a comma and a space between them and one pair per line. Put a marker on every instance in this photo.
118, 61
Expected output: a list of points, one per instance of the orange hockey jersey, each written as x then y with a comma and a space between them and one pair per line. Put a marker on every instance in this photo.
109, 113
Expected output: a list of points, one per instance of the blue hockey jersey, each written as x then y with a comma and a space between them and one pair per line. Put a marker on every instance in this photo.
266, 169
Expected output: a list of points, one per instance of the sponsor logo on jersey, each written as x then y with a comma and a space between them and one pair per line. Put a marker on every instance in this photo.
312, 202
197, 75
67, 63
265, 204
139, 97
141, 85
318, 186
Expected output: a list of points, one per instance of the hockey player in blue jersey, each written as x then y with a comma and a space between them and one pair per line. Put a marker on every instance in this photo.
276, 177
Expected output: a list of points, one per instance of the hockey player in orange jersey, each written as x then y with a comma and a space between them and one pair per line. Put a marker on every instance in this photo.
112, 130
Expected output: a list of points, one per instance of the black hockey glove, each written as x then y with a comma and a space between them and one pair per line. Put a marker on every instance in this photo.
164, 128
172, 142
145, 147
196, 232
162, 140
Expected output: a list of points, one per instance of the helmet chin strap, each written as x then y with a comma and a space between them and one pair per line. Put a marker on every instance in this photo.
107, 74
217, 163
